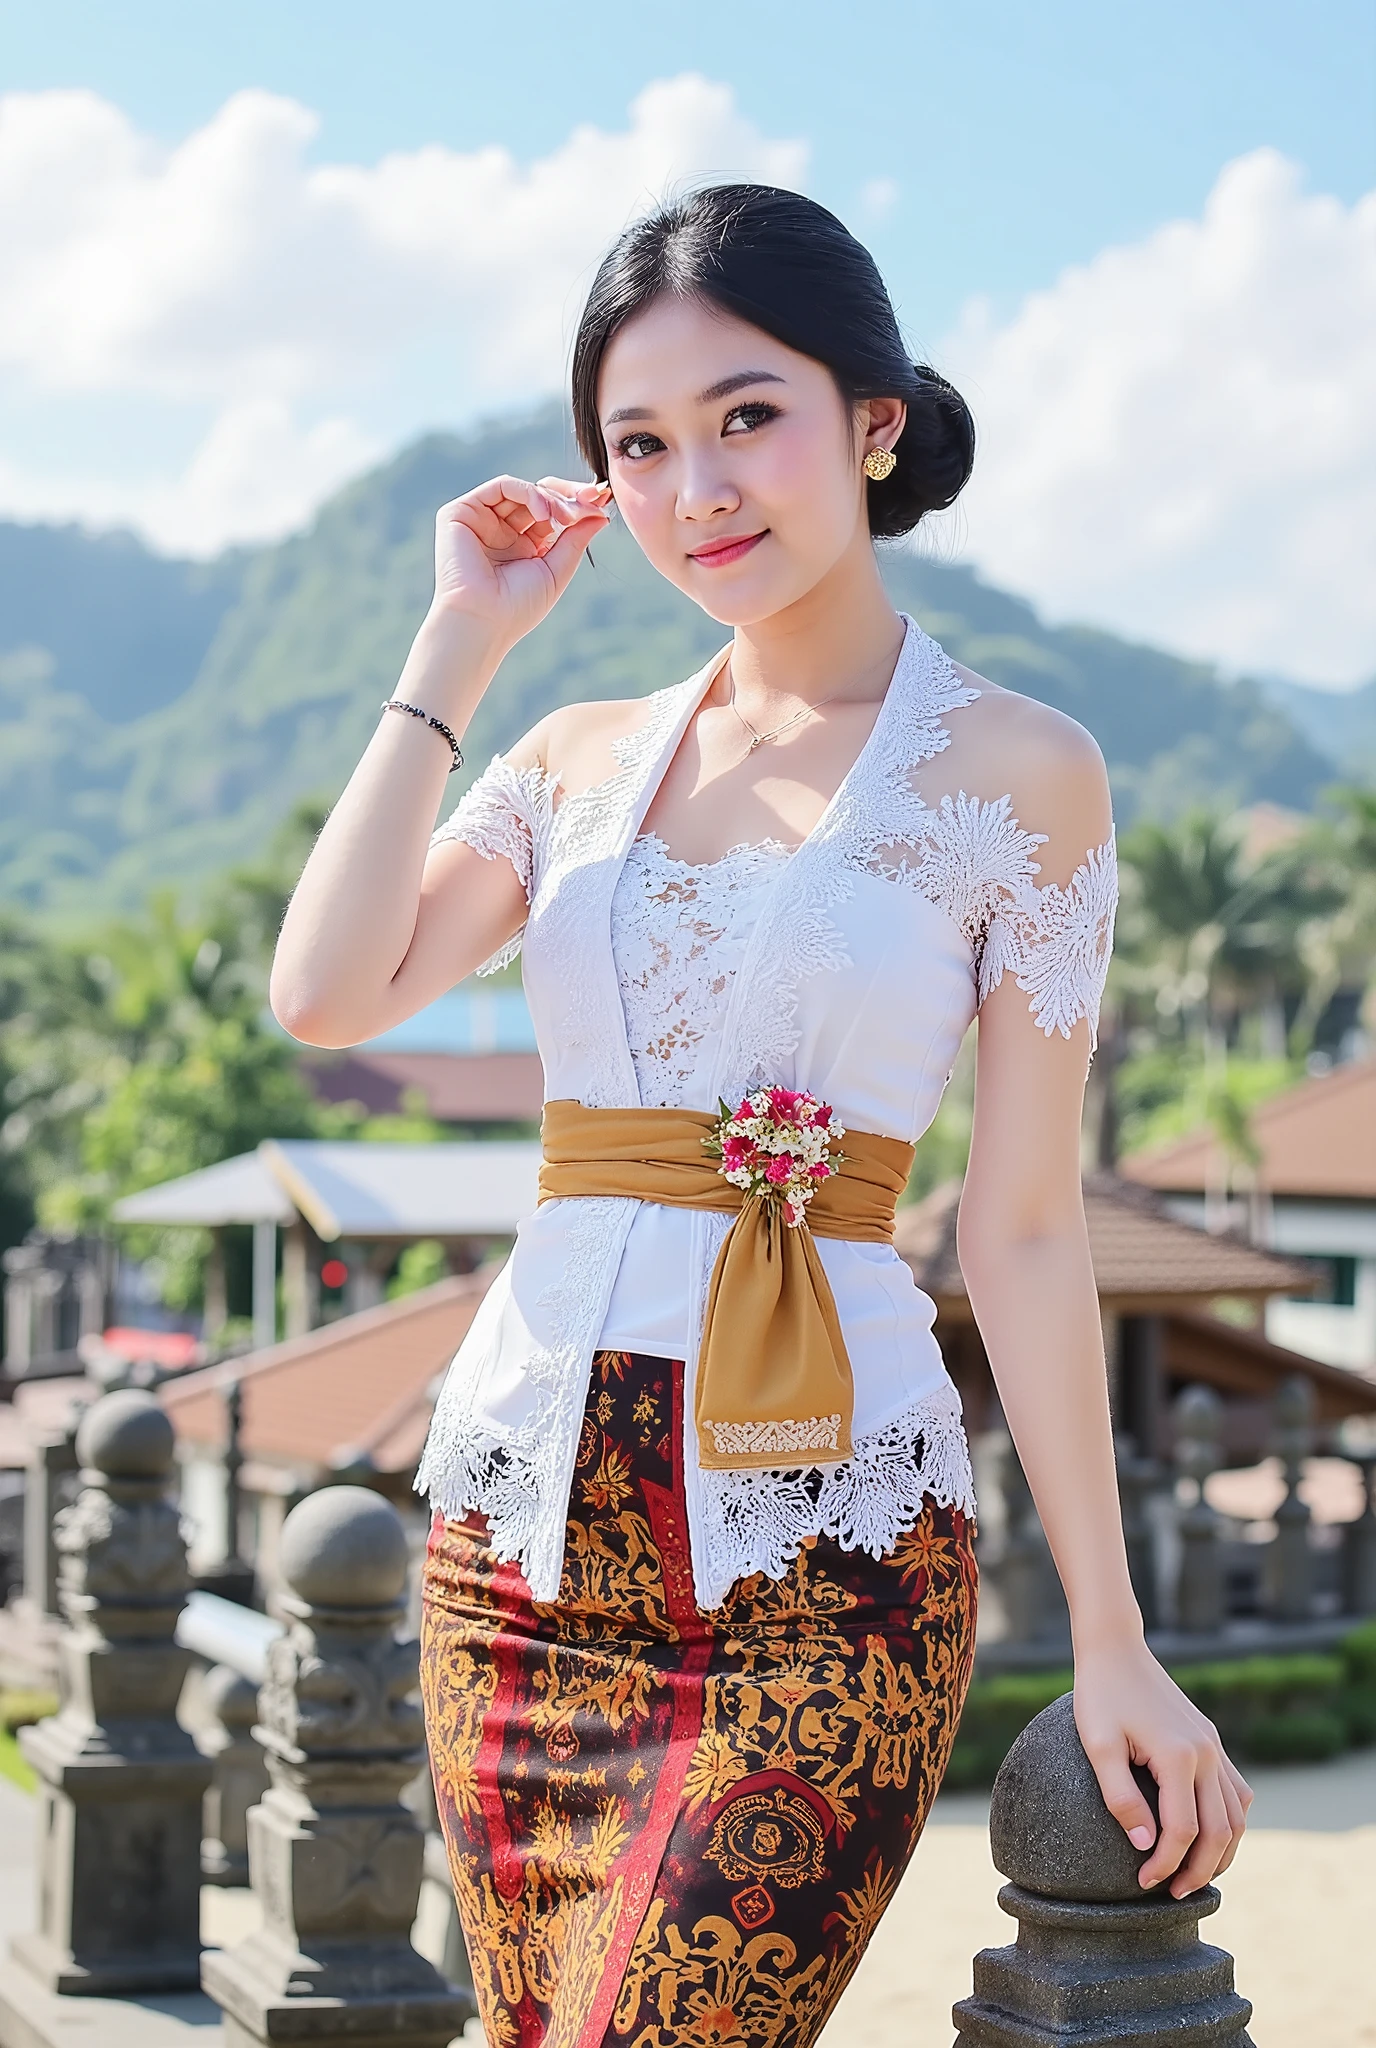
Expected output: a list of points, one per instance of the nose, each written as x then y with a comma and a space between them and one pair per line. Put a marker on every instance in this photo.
703, 492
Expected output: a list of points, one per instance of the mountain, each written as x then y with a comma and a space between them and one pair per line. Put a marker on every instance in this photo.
158, 719
1340, 723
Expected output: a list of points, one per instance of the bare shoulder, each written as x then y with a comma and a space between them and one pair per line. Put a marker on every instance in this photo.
1046, 762
574, 743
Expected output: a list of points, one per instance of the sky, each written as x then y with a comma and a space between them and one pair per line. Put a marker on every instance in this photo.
246, 252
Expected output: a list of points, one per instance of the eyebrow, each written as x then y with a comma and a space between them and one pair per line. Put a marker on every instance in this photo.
721, 390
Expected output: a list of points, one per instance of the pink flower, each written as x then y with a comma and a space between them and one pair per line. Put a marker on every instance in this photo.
821, 1114
821, 1171
784, 1103
780, 1169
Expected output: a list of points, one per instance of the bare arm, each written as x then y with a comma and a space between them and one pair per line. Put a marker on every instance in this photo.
380, 924
1024, 1251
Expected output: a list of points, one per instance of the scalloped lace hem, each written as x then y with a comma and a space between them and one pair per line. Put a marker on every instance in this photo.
763, 1517
507, 1482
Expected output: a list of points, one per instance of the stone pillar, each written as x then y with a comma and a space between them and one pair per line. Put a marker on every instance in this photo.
1200, 1604
121, 1781
334, 1854
1359, 1542
1290, 1561
1029, 1585
1138, 1479
1097, 1960
52, 1459
231, 1576
240, 1779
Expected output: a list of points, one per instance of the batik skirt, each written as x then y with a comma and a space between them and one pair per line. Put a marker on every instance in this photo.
671, 1826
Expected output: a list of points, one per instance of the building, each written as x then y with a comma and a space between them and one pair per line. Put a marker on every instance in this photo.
1314, 1201
1160, 1283
470, 1058
342, 1212
351, 1401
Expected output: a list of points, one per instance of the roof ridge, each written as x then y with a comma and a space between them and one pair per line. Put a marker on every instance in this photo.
290, 1350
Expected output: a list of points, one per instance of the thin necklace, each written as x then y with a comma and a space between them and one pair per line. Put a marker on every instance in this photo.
757, 739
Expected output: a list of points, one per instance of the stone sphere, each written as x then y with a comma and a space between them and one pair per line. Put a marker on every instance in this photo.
345, 1547
126, 1436
1049, 1829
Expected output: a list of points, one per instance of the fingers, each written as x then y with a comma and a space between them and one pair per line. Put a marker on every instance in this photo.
1174, 1772
1213, 1841
566, 550
1124, 1797
517, 520
1237, 1819
508, 515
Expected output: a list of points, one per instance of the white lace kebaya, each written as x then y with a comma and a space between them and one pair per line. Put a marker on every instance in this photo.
850, 966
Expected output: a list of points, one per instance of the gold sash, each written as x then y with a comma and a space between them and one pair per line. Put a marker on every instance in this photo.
773, 1377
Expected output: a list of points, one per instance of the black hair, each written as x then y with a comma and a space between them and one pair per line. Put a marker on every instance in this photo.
791, 268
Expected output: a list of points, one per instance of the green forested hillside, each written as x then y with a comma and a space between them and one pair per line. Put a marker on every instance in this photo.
158, 719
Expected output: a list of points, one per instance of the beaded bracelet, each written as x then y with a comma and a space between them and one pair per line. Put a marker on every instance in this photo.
395, 704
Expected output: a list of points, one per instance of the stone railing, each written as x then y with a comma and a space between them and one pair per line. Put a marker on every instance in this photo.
1309, 1585
333, 1852
1097, 1960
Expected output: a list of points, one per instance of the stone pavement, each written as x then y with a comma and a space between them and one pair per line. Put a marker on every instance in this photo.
1299, 1914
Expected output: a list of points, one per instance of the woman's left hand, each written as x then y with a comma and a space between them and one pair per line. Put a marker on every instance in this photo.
1128, 1710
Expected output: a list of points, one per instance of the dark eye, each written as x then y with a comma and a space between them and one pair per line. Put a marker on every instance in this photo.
624, 447
754, 413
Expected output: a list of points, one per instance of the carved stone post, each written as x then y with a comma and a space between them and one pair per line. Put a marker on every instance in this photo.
1138, 1479
1290, 1561
52, 1457
121, 1781
240, 1779
334, 1854
1200, 1603
1028, 1582
1359, 1539
1097, 1960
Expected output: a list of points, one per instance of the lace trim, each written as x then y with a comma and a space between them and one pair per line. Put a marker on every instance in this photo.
505, 813
742, 1439
1057, 944
758, 1521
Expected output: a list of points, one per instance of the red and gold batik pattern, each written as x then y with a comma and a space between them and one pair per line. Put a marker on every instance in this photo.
668, 1826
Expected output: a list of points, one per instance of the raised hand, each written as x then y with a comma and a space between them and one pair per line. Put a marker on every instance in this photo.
505, 552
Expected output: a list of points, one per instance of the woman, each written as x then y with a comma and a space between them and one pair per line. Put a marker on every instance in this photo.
700, 1593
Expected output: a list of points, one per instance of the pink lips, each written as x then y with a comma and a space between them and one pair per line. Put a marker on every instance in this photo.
730, 551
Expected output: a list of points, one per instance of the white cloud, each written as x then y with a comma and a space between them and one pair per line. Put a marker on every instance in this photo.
1179, 439
879, 196
284, 301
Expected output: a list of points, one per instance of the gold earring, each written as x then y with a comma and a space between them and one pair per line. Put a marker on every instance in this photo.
879, 462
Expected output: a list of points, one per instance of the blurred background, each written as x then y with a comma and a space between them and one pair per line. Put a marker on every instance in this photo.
274, 283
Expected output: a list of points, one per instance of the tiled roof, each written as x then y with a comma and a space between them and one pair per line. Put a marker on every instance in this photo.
458, 1088
1139, 1252
361, 1384
1316, 1139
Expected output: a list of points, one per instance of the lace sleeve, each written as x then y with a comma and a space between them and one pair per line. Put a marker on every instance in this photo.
503, 814
1056, 943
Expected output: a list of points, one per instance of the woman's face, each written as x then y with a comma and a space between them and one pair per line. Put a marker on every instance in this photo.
716, 433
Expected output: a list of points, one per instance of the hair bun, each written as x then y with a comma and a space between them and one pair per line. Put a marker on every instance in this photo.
936, 452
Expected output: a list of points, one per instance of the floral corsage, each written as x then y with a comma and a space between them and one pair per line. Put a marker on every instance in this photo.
779, 1146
